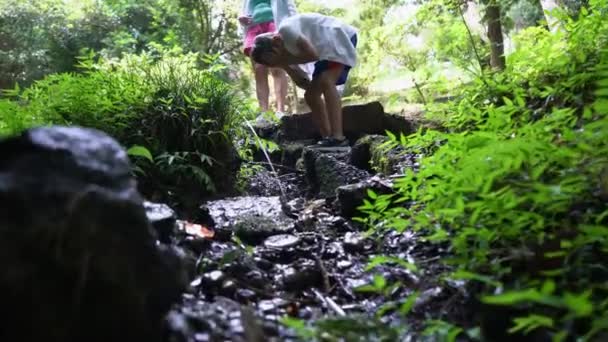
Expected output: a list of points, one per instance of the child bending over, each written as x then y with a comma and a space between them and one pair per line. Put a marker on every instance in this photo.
329, 43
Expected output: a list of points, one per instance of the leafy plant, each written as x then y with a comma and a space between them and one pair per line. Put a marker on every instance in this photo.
514, 185
166, 108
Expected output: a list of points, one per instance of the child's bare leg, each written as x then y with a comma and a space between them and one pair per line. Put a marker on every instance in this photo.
317, 107
333, 101
280, 87
261, 85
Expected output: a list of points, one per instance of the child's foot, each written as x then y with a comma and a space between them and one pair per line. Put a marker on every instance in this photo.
332, 142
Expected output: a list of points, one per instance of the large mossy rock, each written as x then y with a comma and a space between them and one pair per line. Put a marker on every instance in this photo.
79, 259
373, 154
358, 120
351, 196
327, 170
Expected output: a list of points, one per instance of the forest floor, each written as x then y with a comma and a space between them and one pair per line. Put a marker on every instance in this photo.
289, 247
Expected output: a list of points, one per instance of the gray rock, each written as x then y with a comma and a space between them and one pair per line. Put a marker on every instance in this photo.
220, 320
358, 120
75, 242
291, 151
245, 295
361, 155
351, 196
325, 173
252, 218
302, 276
163, 220
265, 128
354, 242
371, 153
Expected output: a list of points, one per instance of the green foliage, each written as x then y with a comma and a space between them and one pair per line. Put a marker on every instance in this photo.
38, 38
516, 186
345, 329
42, 37
180, 121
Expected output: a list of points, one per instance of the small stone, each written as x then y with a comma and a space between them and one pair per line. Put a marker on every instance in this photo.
245, 295
236, 326
426, 297
354, 242
255, 278
196, 282
355, 283
163, 220
281, 241
266, 305
213, 278
304, 277
344, 264
333, 250
264, 264
201, 337
228, 287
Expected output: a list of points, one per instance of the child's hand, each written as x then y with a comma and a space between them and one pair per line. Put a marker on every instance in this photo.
245, 20
299, 77
302, 83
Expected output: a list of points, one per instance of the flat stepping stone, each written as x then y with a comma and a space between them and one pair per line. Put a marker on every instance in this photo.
281, 241
251, 218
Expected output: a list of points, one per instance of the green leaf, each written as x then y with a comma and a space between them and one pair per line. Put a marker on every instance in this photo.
140, 151
371, 194
548, 287
383, 259
580, 305
531, 323
230, 257
379, 282
407, 306
466, 275
523, 296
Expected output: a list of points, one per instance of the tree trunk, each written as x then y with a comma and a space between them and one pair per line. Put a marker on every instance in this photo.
497, 49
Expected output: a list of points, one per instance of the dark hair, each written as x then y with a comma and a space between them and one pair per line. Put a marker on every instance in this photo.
262, 45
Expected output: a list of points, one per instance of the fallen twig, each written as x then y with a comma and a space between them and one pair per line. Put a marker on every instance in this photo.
324, 275
329, 303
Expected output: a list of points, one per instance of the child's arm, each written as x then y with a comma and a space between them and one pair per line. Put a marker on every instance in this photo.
299, 76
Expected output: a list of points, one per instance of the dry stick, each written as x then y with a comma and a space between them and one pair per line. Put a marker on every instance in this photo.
321, 266
324, 275
268, 158
346, 289
329, 303
471, 39
278, 166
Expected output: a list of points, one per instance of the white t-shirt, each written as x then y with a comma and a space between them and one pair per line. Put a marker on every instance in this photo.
329, 36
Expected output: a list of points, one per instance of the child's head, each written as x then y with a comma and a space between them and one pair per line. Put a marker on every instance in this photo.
268, 49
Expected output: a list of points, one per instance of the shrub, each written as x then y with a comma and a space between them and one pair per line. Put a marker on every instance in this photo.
517, 187
185, 117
